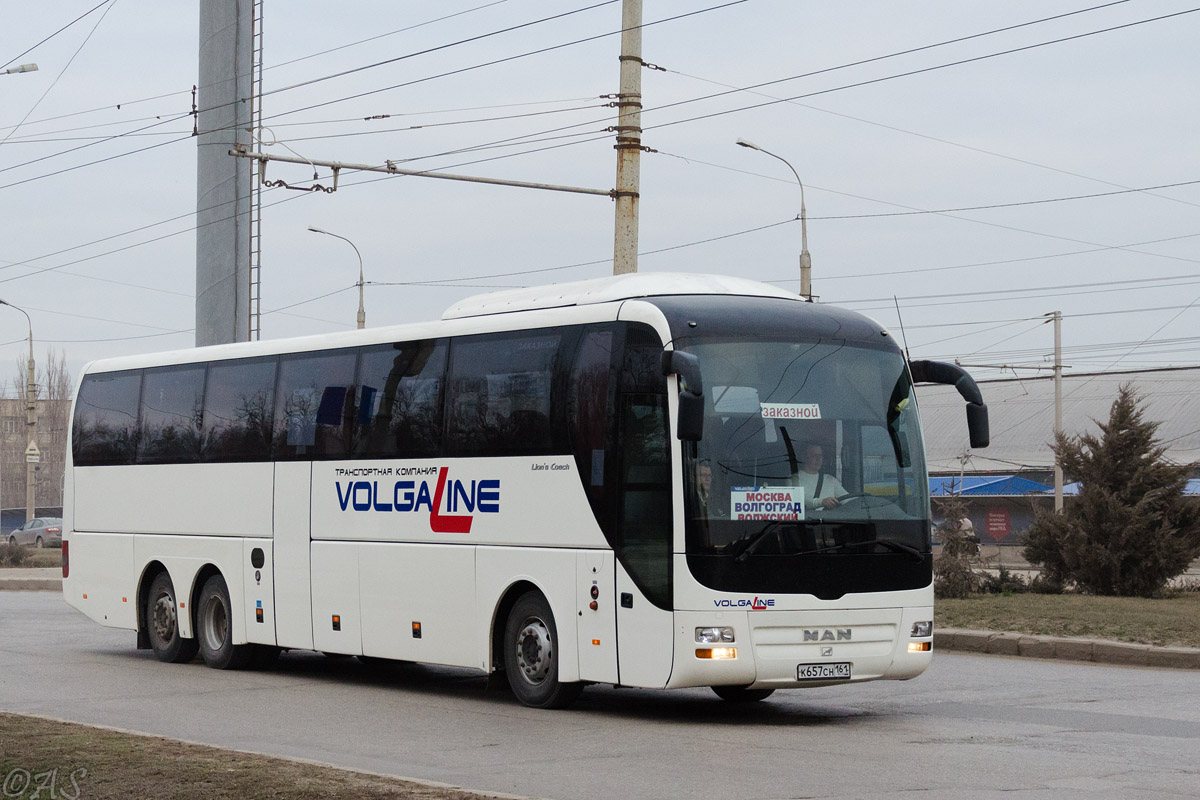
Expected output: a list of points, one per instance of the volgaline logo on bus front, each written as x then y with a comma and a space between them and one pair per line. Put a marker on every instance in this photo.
757, 604
414, 496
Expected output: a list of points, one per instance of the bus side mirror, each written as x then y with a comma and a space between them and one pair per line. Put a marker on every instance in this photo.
956, 376
690, 425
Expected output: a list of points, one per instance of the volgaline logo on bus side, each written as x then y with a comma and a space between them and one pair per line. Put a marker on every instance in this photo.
414, 496
757, 604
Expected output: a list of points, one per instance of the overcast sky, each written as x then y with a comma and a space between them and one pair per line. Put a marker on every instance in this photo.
103, 256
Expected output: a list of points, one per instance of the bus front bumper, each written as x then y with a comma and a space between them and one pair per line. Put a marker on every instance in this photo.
794, 649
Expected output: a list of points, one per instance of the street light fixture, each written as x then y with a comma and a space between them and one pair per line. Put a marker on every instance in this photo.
805, 258
31, 452
22, 68
362, 314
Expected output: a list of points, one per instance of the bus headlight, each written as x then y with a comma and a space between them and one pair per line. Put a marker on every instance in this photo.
713, 635
922, 630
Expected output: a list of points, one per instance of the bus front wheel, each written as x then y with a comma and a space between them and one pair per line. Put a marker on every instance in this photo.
531, 655
162, 623
740, 694
214, 628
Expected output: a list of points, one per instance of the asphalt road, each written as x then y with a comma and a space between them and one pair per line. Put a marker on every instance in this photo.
978, 726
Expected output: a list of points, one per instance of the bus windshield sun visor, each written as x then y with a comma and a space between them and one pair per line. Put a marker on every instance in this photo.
691, 392
956, 376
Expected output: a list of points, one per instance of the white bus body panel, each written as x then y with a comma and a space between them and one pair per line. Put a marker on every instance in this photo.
335, 592
532, 501
644, 635
206, 499
102, 582
597, 633
293, 578
433, 585
258, 591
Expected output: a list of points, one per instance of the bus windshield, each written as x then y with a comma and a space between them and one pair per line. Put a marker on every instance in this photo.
810, 449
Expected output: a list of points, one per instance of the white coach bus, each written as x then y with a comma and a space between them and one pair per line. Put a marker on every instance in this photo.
540, 483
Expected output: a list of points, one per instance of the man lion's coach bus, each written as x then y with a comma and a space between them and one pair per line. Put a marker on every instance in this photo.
653, 480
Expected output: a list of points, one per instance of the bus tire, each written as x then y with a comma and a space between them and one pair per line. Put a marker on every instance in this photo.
531, 655
740, 694
162, 623
214, 628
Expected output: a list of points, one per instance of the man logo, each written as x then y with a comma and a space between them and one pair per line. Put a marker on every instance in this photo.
827, 635
826, 652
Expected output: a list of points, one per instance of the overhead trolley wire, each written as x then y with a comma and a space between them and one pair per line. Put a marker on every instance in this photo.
56, 33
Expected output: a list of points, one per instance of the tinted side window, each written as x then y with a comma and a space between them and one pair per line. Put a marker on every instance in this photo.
238, 410
172, 414
106, 416
312, 412
500, 389
593, 382
400, 400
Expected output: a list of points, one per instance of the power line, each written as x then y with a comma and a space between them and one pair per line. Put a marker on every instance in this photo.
909, 73
62, 72
865, 121
56, 33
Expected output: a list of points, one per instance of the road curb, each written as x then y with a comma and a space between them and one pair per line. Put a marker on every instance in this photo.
1100, 651
30, 584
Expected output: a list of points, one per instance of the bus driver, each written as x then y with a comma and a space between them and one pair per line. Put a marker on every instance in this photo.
820, 489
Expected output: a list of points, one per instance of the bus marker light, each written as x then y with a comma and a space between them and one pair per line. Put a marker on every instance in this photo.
593, 605
337, 622
595, 641
716, 653
416, 629
124, 600
920, 647
85, 597
66, 558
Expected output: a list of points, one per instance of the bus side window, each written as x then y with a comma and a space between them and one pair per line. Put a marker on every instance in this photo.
399, 403
499, 393
310, 410
104, 431
238, 410
172, 413
590, 421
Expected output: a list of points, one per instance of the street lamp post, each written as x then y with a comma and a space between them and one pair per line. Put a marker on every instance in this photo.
805, 258
31, 452
362, 314
21, 68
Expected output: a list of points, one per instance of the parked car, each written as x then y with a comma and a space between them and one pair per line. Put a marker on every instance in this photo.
40, 532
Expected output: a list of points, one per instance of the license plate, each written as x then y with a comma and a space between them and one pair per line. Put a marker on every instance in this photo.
839, 671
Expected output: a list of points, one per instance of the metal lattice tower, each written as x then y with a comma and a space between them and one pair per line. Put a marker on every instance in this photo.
256, 69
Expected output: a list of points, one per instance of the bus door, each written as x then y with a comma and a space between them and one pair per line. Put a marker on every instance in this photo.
645, 623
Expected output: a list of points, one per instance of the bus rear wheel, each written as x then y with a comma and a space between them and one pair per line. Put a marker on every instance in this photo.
531, 655
740, 694
161, 616
214, 628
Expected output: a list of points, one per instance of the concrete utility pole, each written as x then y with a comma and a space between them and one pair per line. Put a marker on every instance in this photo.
32, 454
1058, 473
629, 140
223, 120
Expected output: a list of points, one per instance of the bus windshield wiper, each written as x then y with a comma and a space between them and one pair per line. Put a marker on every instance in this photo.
745, 545
895, 545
